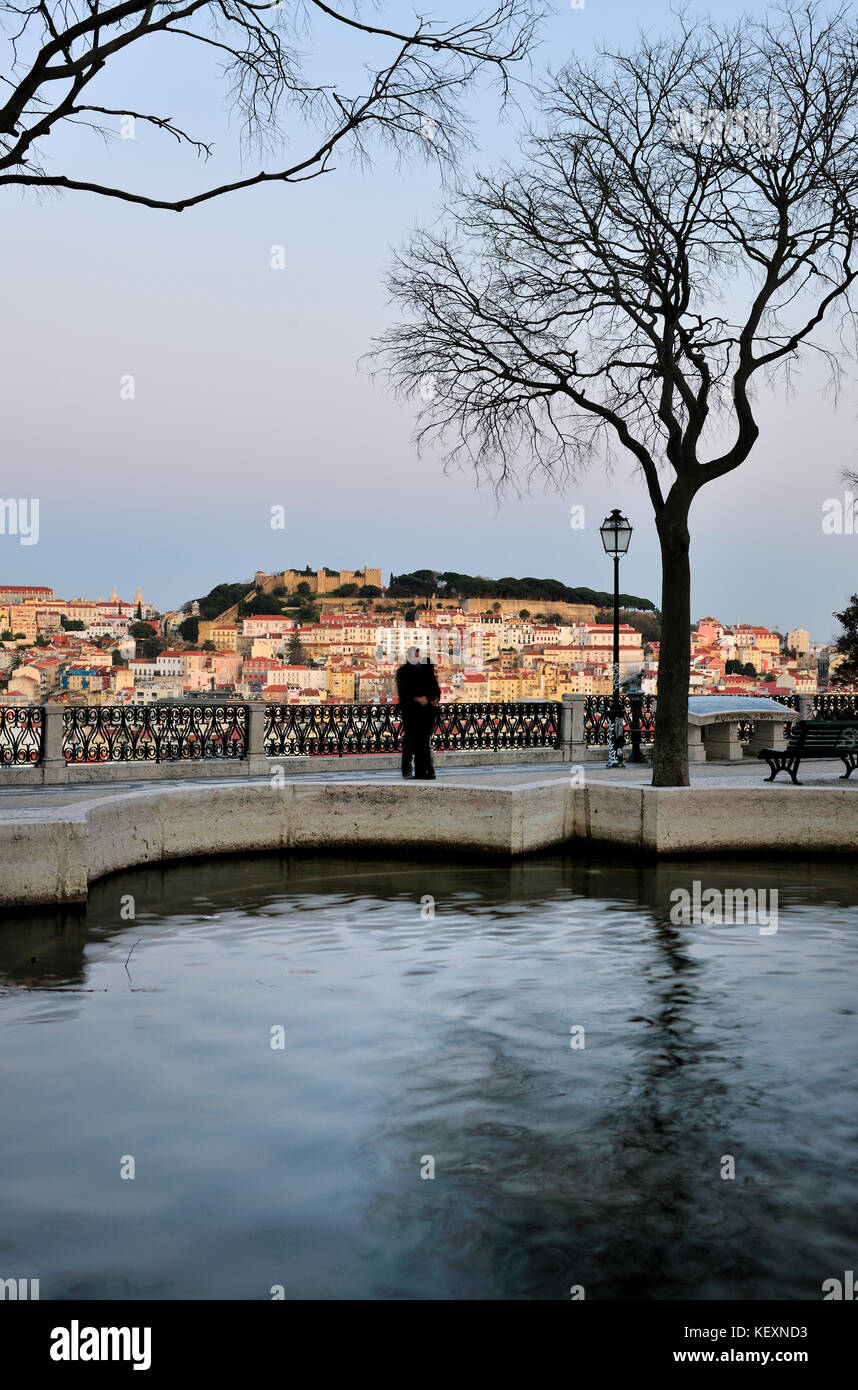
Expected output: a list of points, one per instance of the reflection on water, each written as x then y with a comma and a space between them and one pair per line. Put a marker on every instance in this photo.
427, 1013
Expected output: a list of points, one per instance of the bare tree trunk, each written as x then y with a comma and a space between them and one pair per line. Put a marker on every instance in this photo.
670, 756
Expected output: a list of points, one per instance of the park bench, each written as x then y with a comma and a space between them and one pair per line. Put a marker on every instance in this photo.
815, 739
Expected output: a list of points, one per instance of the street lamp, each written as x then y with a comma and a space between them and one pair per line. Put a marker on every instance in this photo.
616, 534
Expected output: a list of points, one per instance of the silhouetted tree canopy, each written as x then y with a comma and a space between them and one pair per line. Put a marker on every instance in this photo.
847, 645
222, 597
425, 583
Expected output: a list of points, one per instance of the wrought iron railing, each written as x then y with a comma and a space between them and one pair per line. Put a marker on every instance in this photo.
831, 704
827, 704
497, 725
22, 732
638, 720
153, 733
639, 724
315, 731
163, 733
791, 701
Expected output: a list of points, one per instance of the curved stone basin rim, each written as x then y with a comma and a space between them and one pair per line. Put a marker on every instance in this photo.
52, 856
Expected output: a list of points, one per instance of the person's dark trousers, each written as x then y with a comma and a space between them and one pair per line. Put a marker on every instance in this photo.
423, 726
407, 746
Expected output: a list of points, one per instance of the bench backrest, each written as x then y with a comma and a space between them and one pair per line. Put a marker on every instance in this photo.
824, 735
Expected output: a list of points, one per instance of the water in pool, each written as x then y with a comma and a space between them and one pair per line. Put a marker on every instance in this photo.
575, 1068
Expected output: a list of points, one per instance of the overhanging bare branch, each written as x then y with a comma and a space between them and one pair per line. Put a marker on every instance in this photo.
57, 48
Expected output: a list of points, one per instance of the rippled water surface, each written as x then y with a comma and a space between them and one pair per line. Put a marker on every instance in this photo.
417, 1029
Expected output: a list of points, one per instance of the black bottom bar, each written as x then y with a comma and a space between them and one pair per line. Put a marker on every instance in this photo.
217, 1339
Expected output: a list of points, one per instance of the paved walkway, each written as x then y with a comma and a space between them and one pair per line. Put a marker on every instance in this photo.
749, 773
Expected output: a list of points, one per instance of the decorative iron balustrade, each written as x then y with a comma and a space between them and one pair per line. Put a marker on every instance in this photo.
315, 731
164, 733
827, 704
836, 704
638, 720
153, 733
791, 701
22, 734
497, 725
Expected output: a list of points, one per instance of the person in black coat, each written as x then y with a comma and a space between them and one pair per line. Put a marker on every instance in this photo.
419, 694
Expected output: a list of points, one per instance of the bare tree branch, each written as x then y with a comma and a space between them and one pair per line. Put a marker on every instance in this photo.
57, 48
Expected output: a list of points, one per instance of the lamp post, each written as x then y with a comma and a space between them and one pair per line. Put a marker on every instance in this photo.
616, 534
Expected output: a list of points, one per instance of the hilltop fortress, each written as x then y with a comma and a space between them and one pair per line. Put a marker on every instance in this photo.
322, 581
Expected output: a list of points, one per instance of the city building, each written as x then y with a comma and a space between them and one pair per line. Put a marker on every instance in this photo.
798, 640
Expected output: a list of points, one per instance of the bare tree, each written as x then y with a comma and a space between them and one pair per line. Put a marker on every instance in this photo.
56, 49
683, 221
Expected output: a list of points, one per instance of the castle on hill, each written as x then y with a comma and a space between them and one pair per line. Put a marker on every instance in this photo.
322, 581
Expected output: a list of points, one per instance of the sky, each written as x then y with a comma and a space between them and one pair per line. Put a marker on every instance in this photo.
248, 394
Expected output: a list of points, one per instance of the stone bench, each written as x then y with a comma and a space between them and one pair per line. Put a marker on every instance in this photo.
713, 726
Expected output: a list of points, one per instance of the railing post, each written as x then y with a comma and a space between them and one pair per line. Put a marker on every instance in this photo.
805, 707
258, 763
572, 745
55, 766
565, 728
